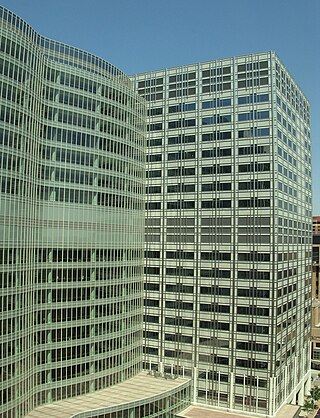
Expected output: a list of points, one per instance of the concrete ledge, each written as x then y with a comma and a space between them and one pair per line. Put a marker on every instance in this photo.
287, 411
135, 391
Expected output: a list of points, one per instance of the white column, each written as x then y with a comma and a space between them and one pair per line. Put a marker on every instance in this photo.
161, 367
307, 385
271, 395
195, 384
231, 390
285, 382
218, 388
243, 391
301, 396
206, 386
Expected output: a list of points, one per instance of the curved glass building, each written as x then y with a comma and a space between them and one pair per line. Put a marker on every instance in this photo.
72, 134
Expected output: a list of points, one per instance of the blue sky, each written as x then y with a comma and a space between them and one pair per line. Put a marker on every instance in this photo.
144, 35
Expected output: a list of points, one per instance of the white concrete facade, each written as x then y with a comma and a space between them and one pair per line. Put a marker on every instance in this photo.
228, 230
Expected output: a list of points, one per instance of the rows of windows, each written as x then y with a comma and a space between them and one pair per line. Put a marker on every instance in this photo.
210, 204
286, 125
291, 93
286, 108
85, 139
219, 152
71, 80
187, 107
42, 255
287, 156
211, 136
217, 255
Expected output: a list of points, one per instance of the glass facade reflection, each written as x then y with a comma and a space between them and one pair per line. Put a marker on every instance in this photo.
72, 135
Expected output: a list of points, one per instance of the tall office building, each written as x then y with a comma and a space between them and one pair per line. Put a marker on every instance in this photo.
315, 331
72, 134
72, 194
228, 231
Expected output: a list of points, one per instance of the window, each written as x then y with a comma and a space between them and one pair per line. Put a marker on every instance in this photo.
253, 275
214, 307
181, 155
183, 255
251, 364
253, 115
152, 286
154, 158
216, 169
181, 123
178, 321
223, 274
180, 188
153, 189
179, 271
178, 288
215, 256
215, 186
216, 152
178, 338
214, 290
253, 310
251, 203
152, 270
245, 168
151, 302
178, 304
252, 328
181, 139
216, 103
254, 184
153, 173
154, 127
151, 318
213, 136
181, 204
253, 132
254, 149
182, 107
215, 325
253, 98
212, 120
153, 205
254, 256
253, 292
181, 171
151, 334
152, 254
209, 204
154, 142
155, 111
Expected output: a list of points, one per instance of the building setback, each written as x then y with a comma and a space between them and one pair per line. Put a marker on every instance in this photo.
228, 231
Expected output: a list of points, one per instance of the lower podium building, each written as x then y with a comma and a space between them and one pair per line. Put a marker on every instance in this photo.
72, 181
228, 231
